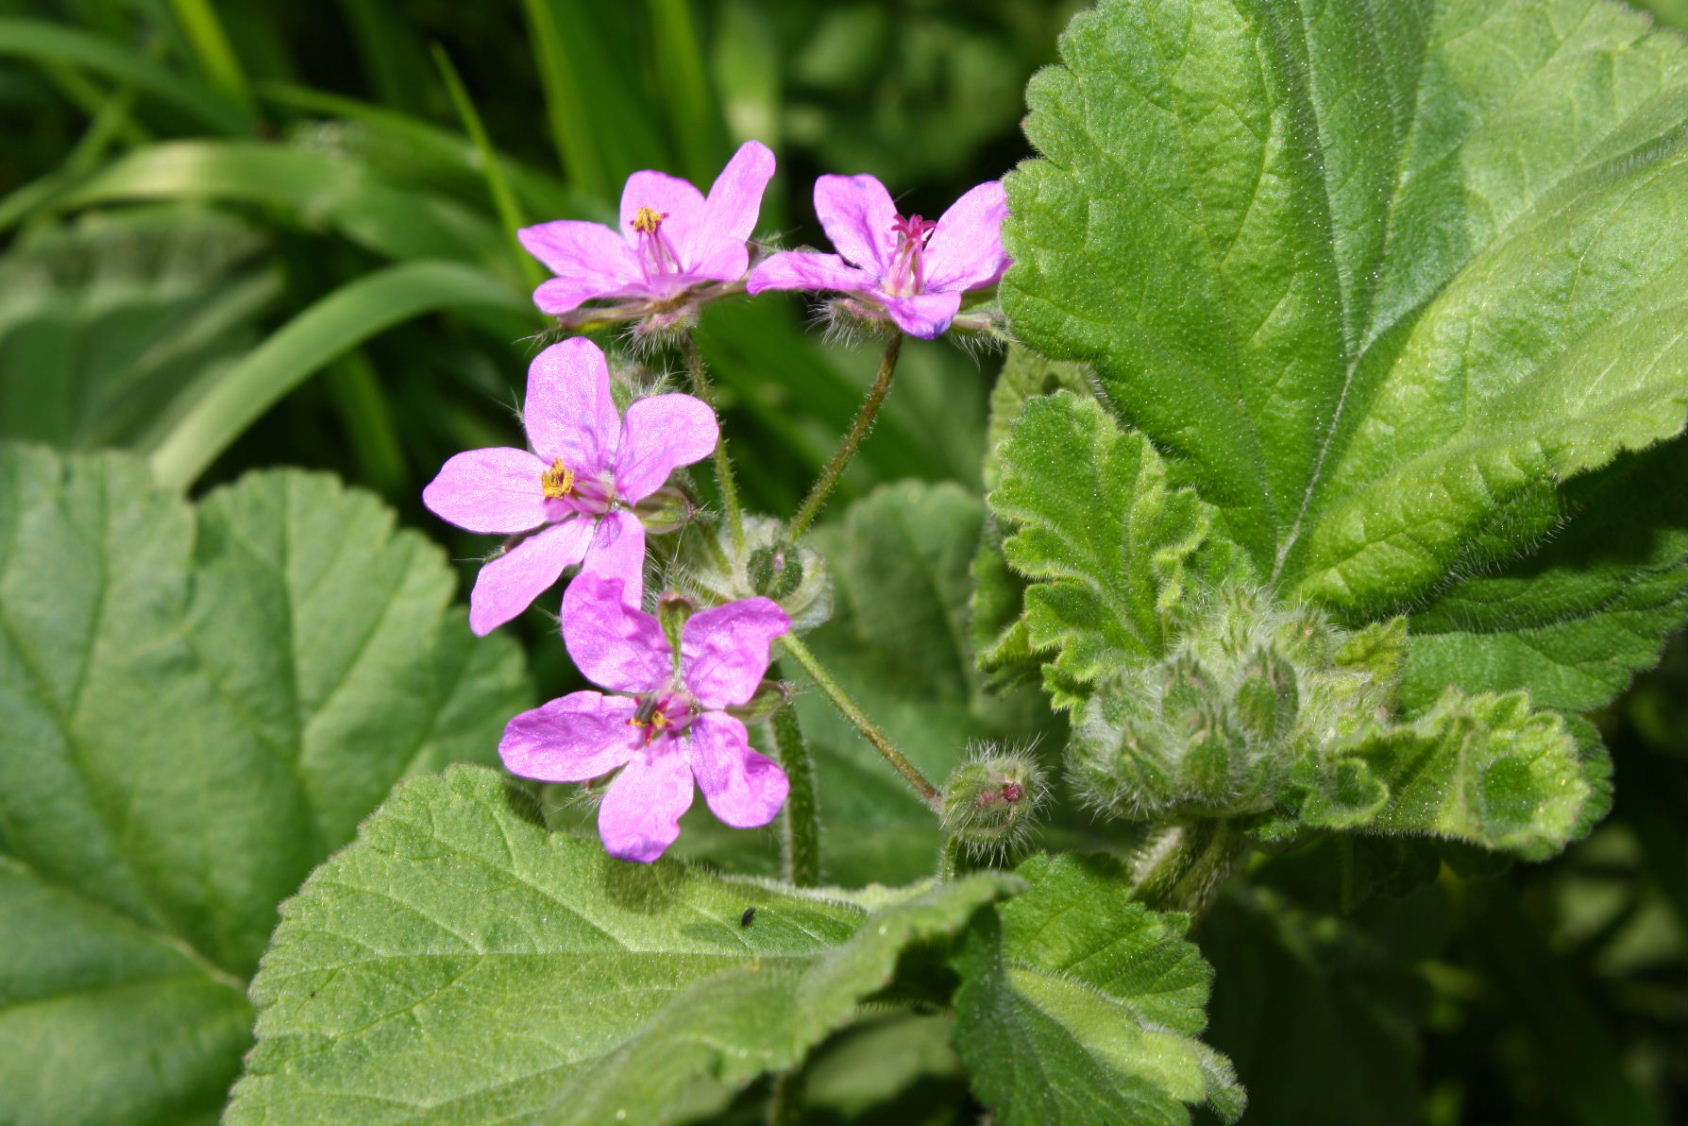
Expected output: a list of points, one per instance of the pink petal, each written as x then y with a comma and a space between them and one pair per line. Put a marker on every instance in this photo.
680, 205
965, 250
617, 551
589, 259
660, 434
569, 411
858, 215
715, 247
616, 645
508, 584
743, 788
641, 813
724, 650
579, 737
795, 269
565, 295
495, 491
925, 315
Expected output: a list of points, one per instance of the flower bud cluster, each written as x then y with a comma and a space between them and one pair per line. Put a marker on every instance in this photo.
1250, 691
767, 565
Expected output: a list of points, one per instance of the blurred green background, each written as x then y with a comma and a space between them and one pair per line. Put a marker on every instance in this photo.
253, 232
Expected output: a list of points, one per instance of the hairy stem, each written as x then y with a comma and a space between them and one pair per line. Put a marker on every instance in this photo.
929, 793
952, 859
1182, 866
785, 1097
847, 449
800, 828
723, 464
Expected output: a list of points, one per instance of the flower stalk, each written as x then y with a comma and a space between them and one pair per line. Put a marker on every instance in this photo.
1183, 865
723, 463
853, 440
800, 830
929, 793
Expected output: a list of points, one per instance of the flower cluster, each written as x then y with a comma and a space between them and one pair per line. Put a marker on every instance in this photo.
680, 681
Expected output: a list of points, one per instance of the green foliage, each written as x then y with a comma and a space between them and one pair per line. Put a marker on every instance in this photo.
1100, 532
899, 644
999, 627
331, 326
1298, 979
1484, 769
462, 963
200, 705
1079, 1005
111, 326
1359, 268
1249, 691
1573, 621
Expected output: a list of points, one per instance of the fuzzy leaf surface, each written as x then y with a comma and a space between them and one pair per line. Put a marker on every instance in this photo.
1483, 769
1365, 271
200, 704
460, 963
1575, 620
1101, 533
998, 617
1079, 1005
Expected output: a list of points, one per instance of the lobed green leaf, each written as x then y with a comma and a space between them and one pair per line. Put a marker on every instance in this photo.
462, 963
1079, 1005
1366, 272
199, 705
1101, 533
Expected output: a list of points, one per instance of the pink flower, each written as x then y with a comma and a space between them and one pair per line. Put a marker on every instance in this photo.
916, 269
569, 497
671, 240
669, 726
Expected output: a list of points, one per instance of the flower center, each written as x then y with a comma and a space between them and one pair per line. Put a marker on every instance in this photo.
662, 713
558, 481
908, 266
656, 253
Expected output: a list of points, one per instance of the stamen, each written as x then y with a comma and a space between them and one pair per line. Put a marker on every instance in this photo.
908, 266
558, 481
656, 255
652, 718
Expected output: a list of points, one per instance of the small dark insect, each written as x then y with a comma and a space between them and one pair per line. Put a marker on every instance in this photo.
748, 917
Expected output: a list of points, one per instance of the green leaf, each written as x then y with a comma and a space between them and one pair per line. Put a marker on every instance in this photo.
1484, 769
109, 326
1078, 1005
1574, 621
1100, 532
318, 188
999, 628
460, 963
333, 325
898, 643
199, 705
54, 44
1301, 991
1366, 272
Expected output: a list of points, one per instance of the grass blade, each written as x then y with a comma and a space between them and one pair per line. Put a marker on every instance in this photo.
686, 89
509, 214
309, 342
205, 32
47, 43
318, 188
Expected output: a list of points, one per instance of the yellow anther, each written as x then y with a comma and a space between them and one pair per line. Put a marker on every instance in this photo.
648, 220
558, 481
